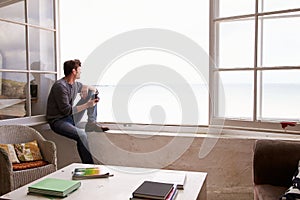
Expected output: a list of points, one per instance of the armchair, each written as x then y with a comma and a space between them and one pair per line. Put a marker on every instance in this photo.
274, 164
10, 179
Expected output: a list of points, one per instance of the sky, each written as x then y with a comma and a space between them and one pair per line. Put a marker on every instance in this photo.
86, 26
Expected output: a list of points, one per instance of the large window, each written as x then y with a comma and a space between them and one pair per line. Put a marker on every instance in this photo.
149, 59
256, 67
27, 56
253, 46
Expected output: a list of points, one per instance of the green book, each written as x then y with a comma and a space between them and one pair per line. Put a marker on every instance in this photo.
54, 187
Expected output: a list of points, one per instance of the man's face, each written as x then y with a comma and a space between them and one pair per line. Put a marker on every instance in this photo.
78, 72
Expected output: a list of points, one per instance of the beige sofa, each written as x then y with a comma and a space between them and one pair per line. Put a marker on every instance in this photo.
274, 164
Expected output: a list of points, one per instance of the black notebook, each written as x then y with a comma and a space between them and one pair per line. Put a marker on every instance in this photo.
153, 190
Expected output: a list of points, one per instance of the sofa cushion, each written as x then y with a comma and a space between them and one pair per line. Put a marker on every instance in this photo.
9, 148
28, 151
268, 192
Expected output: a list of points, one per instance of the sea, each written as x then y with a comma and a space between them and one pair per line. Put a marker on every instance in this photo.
190, 105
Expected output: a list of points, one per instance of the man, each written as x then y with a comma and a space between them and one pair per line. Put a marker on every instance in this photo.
63, 116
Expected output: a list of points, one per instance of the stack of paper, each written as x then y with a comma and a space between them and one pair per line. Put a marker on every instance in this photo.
177, 178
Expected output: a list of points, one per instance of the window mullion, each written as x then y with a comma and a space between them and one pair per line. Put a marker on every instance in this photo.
255, 62
213, 32
260, 80
28, 95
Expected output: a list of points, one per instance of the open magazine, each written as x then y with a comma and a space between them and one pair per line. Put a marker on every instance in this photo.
90, 172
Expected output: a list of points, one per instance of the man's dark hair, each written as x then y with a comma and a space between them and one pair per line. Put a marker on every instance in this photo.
70, 65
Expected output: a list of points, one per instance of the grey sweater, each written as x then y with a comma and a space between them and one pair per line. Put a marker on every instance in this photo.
61, 99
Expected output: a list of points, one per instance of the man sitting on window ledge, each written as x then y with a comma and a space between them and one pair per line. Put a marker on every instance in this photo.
63, 116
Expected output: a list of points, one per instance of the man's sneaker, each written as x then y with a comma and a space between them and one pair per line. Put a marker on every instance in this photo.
93, 126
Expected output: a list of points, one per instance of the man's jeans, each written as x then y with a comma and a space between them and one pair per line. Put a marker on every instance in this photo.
66, 127
91, 112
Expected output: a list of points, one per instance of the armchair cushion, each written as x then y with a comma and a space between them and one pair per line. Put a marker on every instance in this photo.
10, 150
29, 165
28, 151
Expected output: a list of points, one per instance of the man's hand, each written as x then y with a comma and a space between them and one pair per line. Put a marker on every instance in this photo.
88, 104
92, 102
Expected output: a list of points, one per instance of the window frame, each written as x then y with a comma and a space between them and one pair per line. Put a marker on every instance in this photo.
36, 119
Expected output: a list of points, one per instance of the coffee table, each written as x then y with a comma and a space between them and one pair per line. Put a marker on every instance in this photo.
118, 187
